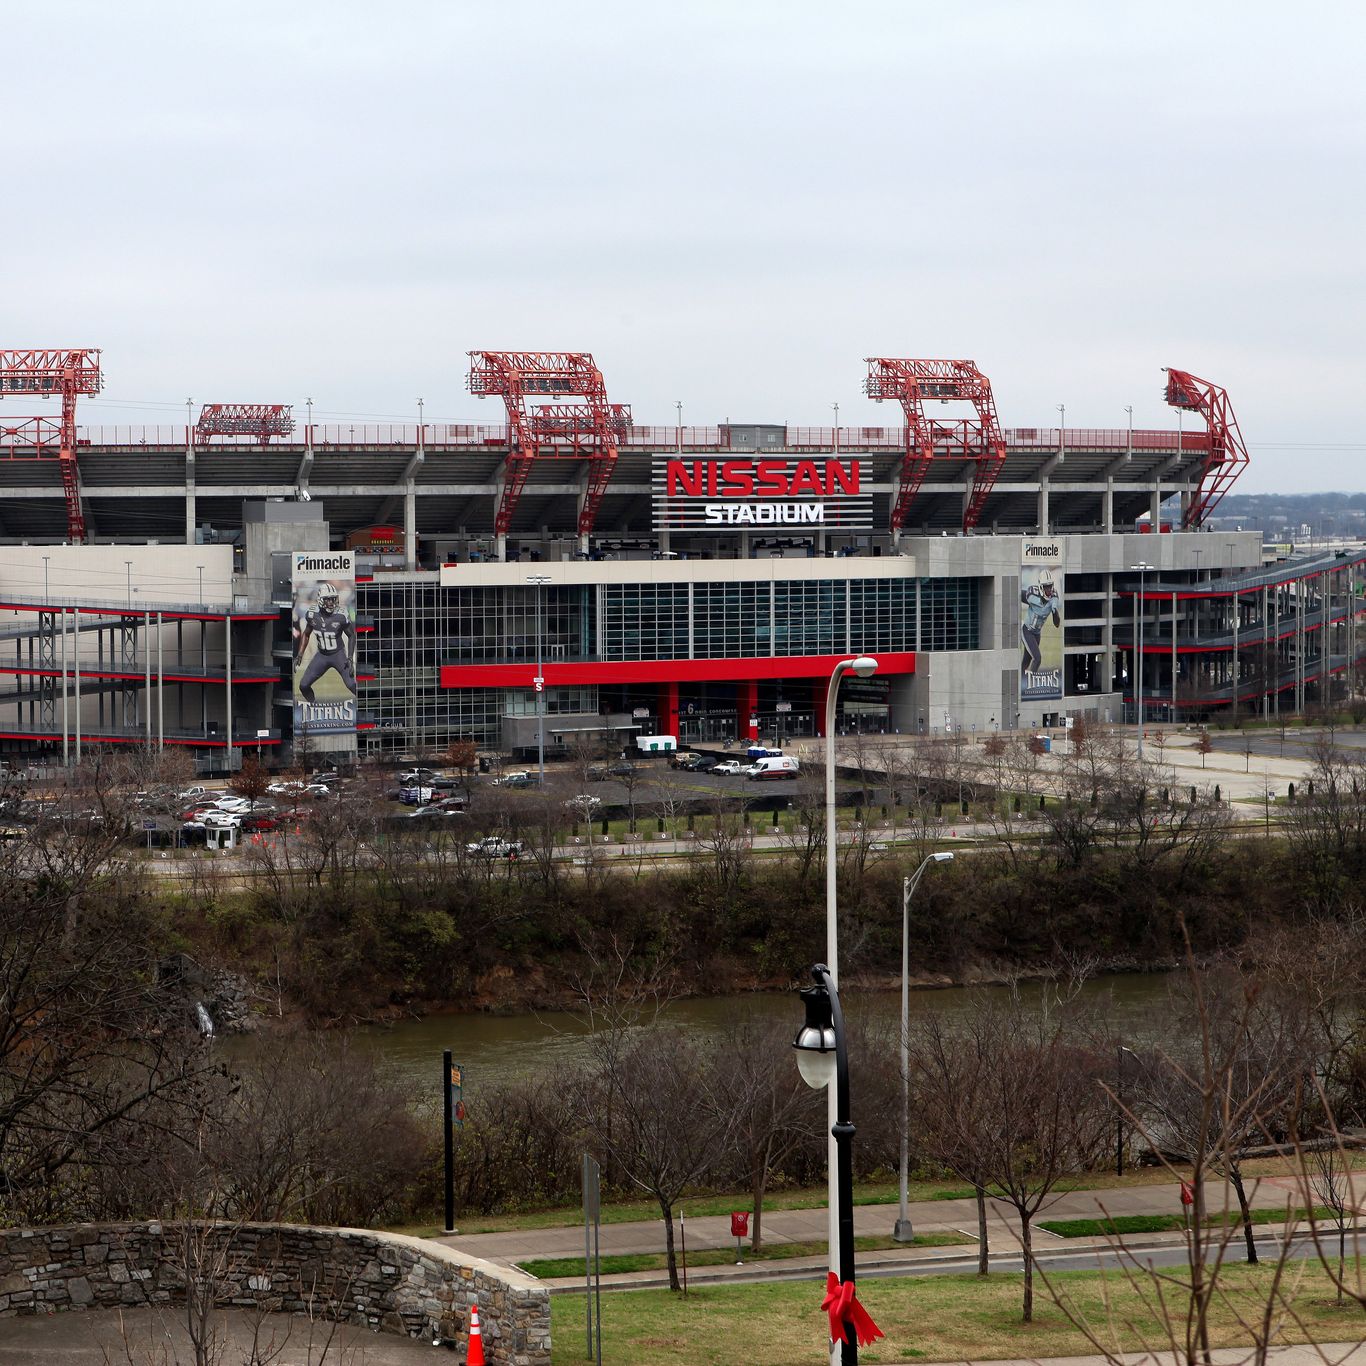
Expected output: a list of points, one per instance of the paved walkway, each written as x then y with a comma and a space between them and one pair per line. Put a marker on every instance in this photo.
102, 1336
809, 1225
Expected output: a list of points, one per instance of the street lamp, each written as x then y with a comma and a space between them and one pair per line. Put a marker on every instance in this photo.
822, 1058
539, 580
903, 1233
678, 408
1129, 447
1141, 570
836, 407
865, 667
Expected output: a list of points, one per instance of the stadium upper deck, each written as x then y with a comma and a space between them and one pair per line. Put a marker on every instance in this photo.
160, 483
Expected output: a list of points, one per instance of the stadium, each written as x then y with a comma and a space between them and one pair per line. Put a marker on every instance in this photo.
699, 582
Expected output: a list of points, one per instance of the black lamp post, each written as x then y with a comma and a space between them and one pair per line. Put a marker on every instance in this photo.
822, 1058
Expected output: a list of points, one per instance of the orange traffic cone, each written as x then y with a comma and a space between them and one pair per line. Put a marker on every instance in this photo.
475, 1354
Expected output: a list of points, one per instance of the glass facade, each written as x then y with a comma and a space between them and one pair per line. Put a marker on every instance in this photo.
786, 617
415, 627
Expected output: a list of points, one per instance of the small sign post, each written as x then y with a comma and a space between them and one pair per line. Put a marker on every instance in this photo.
453, 1107
739, 1228
592, 1251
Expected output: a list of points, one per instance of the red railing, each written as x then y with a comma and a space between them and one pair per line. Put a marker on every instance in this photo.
20, 441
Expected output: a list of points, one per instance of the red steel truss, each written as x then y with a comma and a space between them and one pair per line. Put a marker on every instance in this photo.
1226, 453
914, 383
260, 421
538, 387
53, 373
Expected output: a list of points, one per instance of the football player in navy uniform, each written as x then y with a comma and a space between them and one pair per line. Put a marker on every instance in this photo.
336, 639
1040, 602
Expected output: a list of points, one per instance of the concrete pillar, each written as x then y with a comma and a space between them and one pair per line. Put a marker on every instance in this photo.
227, 674
76, 669
1175, 657
1155, 508
189, 488
1107, 509
1043, 507
410, 526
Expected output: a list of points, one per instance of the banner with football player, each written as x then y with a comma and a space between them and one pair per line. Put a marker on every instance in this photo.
1041, 618
324, 635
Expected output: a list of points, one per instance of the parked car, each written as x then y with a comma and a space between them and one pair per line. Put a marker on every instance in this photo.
237, 804
259, 822
191, 793
621, 769
494, 846
729, 767
437, 811
691, 762
417, 775
288, 788
519, 779
220, 820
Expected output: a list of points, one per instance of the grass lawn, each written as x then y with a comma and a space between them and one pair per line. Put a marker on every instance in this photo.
931, 1318
1165, 1223
546, 1267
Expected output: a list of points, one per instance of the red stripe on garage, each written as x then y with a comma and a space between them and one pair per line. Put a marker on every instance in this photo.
661, 670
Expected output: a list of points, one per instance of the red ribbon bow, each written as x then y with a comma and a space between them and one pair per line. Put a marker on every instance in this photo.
841, 1303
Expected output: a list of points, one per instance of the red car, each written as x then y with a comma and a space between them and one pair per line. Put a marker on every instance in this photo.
253, 825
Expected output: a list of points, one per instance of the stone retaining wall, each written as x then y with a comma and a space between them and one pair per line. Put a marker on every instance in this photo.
387, 1281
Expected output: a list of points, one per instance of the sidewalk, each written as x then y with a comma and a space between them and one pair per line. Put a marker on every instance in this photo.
810, 1225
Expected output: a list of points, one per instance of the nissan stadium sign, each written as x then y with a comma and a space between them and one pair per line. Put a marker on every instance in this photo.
741, 493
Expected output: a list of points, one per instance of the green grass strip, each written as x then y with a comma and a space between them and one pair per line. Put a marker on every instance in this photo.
1166, 1223
616, 1264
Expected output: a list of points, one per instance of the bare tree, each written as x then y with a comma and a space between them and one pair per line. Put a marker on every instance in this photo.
659, 1137
770, 1109
951, 1105
1230, 1069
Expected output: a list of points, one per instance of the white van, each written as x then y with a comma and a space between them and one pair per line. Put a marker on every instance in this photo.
779, 766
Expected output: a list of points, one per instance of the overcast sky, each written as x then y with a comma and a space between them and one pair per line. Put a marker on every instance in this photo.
729, 204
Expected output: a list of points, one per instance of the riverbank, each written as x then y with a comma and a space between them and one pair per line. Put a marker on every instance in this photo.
373, 944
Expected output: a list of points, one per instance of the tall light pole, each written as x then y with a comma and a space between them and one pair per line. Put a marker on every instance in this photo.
678, 408
903, 1233
823, 1060
1141, 568
539, 581
865, 667
1129, 445
420, 422
836, 407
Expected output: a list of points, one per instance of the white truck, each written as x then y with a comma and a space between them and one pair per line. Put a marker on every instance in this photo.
779, 766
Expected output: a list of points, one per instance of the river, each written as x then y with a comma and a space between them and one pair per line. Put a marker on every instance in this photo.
496, 1048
